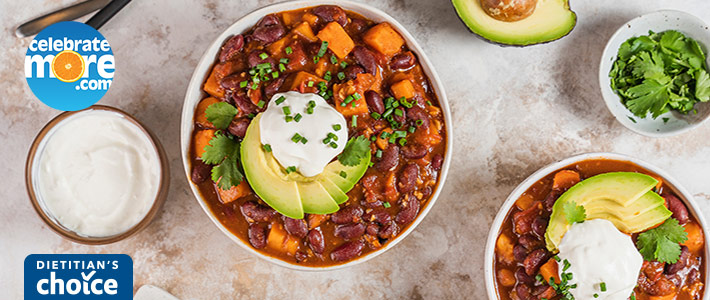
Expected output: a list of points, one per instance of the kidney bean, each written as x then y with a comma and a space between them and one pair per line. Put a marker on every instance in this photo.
231, 82
352, 71
378, 216
671, 269
413, 150
347, 251
244, 104
356, 26
693, 276
389, 159
316, 241
534, 260
295, 227
231, 47
402, 61
330, 13
408, 178
539, 226
436, 162
372, 229
388, 231
269, 30
416, 113
408, 211
349, 214
530, 242
273, 87
544, 292
254, 59
200, 171
366, 59
374, 102
519, 252
371, 201
523, 292
300, 256
256, 212
550, 200
257, 236
426, 192
680, 212
522, 220
523, 277
238, 127
371, 183
350, 231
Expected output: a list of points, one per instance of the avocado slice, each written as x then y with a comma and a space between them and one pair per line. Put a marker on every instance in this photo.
551, 20
292, 194
624, 198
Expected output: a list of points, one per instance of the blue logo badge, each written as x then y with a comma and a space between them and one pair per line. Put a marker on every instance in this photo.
78, 276
69, 66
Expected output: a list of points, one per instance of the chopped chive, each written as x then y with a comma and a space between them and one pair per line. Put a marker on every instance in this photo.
386, 204
304, 140
411, 129
275, 75
326, 140
429, 102
333, 136
263, 66
252, 72
596, 295
297, 117
384, 134
341, 75
283, 60
327, 76
373, 138
357, 96
256, 79
289, 50
557, 258
323, 48
290, 169
287, 110
333, 145
398, 112
280, 100
296, 137
255, 86
263, 56
310, 83
402, 142
251, 116
343, 64
348, 99
343, 104
282, 67
336, 127
261, 104
311, 103
399, 133
395, 104
354, 122
343, 174
378, 154
602, 286
375, 115
316, 59
419, 122
309, 110
267, 147
333, 60
243, 84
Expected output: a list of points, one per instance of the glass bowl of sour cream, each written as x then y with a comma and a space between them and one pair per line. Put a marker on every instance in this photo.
96, 176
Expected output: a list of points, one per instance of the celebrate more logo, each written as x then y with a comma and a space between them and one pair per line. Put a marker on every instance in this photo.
78, 276
69, 66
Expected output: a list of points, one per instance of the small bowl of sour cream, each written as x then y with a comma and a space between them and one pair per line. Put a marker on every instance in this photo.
96, 176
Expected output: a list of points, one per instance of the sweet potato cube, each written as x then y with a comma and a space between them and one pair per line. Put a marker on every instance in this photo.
202, 140
384, 39
277, 47
279, 239
403, 88
565, 179
355, 88
212, 86
236, 192
302, 82
338, 40
304, 30
201, 116
310, 18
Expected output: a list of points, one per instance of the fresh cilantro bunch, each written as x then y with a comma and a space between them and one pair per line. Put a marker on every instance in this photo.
660, 72
663, 242
223, 149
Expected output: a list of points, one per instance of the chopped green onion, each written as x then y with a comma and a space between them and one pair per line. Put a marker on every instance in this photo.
386, 204
602, 286
296, 137
283, 60
282, 68
333, 145
398, 112
323, 48
310, 83
280, 100
354, 122
263, 66
267, 147
251, 116
297, 117
387, 112
384, 134
309, 110
315, 59
343, 174
327, 76
357, 96
429, 102
256, 79
348, 99
255, 86
343, 64
290, 169
311, 103
261, 104
275, 75
411, 129
333, 136
288, 119
341, 75
336, 127
419, 122
263, 56
287, 110
326, 140
378, 154
333, 60
375, 115
289, 50
243, 84
402, 142
304, 140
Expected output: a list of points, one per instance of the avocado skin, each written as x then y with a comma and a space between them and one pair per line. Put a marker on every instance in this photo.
511, 45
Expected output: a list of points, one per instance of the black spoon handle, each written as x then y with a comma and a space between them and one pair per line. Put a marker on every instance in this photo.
106, 13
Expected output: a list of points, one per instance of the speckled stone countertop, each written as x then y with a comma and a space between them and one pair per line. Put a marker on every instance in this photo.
515, 110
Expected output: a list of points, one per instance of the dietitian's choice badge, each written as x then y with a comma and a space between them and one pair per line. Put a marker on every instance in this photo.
78, 276
69, 66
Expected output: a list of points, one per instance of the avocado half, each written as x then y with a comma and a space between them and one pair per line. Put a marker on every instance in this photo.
551, 20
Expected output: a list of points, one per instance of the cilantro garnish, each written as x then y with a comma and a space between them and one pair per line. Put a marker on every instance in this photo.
574, 213
355, 150
660, 72
663, 242
220, 114
223, 152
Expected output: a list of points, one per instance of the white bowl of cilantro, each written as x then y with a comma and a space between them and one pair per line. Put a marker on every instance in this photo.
654, 73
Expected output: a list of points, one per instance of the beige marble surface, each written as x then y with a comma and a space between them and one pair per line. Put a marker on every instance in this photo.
515, 110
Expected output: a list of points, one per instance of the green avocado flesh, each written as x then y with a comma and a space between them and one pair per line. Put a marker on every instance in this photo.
624, 198
293, 194
551, 20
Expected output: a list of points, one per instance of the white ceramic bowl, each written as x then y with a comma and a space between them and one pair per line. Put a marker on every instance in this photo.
675, 186
195, 94
658, 21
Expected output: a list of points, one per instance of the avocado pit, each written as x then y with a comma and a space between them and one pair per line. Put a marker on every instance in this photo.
509, 10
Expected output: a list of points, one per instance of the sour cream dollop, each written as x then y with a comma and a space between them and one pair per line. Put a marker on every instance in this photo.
98, 173
281, 131
599, 253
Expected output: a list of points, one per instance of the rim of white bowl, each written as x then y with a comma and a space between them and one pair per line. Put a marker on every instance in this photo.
194, 94
685, 196
612, 100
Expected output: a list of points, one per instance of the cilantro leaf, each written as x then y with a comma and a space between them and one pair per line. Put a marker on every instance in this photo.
673, 40
355, 150
220, 114
223, 152
663, 242
650, 66
574, 213
648, 96
702, 85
